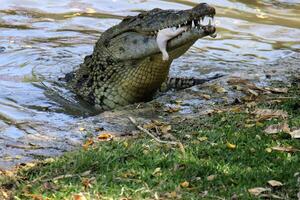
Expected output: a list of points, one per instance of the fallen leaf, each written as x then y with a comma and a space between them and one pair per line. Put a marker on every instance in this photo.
165, 129
202, 139
149, 126
87, 183
211, 177
35, 196
230, 146
205, 96
157, 122
5, 194
249, 125
185, 184
277, 128
79, 196
265, 114
258, 190
218, 89
236, 109
207, 112
295, 134
157, 172
269, 150
172, 109
238, 81
285, 149
252, 92
49, 186
277, 90
181, 147
156, 196
105, 136
274, 183
82, 129
86, 173
172, 195
88, 143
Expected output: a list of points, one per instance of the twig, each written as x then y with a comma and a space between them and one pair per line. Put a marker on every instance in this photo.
155, 138
274, 98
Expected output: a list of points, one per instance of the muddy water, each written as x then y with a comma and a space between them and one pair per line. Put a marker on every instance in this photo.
42, 40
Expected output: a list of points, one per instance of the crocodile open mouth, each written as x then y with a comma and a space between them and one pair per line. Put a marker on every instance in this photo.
199, 23
205, 24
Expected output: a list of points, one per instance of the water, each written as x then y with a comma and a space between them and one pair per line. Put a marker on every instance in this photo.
42, 40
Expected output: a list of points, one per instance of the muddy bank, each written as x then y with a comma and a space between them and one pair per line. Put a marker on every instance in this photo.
43, 140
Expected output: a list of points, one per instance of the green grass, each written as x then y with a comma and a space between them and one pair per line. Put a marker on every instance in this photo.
143, 169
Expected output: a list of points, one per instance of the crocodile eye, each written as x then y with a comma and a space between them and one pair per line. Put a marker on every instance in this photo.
141, 16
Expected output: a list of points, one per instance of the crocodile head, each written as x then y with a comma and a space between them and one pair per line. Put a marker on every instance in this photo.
138, 34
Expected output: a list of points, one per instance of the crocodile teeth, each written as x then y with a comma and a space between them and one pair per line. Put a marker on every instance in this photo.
193, 24
208, 21
164, 36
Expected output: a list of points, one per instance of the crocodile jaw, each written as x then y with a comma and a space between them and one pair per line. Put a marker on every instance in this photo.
164, 35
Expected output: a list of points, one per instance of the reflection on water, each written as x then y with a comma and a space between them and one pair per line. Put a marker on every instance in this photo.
42, 40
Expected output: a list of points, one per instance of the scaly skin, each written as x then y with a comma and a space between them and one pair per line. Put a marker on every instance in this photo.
126, 65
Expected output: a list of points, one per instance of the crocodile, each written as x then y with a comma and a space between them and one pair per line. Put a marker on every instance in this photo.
131, 60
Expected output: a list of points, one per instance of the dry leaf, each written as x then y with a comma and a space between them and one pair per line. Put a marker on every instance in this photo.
105, 136
252, 92
264, 114
277, 90
202, 139
207, 112
86, 173
218, 89
49, 186
165, 129
185, 184
236, 109
211, 177
258, 190
269, 150
274, 183
295, 134
285, 149
172, 195
172, 109
157, 172
82, 129
230, 146
149, 126
79, 196
277, 128
181, 147
35, 196
205, 96
249, 125
87, 183
88, 143
4, 194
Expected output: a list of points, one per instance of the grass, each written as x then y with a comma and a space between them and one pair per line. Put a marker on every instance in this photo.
209, 169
